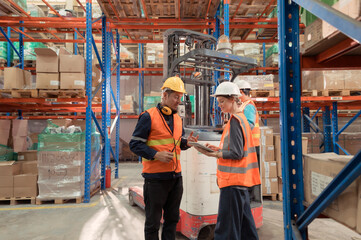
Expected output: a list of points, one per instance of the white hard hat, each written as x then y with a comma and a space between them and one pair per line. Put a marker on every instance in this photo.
227, 89
243, 84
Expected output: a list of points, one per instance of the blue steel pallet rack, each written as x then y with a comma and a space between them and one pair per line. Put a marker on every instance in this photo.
107, 94
296, 219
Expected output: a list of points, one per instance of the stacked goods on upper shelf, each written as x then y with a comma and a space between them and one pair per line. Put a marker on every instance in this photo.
59, 69
331, 80
4, 52
154, 53
319, 30
272, 57
258, 82
29, 50
72, 71
47, 69
252, 50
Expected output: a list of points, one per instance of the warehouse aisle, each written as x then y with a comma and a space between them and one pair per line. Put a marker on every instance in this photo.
109, 216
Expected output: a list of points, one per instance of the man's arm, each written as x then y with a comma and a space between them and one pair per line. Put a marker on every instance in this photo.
236, 145
139, 138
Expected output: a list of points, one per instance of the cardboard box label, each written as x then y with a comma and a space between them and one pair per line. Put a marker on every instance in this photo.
54, 83
319, 182
79, 82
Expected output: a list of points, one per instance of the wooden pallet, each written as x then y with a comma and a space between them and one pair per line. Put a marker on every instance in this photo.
124, 8
27, 63
262, 93
250, 8
331, 93
154, 65
272, 197
76, 93
17, 200
198, 8
162, 9
8, 9
19, 93
77, 200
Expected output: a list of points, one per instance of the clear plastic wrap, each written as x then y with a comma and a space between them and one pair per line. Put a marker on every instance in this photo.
61, 162
6, 153
258, 82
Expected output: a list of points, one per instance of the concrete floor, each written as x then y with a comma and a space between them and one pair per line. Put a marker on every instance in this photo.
109, 216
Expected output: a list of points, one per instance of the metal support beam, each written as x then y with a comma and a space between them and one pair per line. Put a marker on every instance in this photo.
9, 49
341, 21
335, 128
327, 129
290, 115
306, 123
347, 175
21, 47
117, 128
88, 86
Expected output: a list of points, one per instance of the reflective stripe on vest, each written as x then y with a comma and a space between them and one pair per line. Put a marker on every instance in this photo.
256, 133
162, 139
241, 172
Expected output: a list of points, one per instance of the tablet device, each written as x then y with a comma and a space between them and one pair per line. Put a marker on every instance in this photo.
195, 144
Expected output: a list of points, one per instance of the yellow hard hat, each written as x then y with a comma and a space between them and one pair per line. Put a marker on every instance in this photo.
174, 83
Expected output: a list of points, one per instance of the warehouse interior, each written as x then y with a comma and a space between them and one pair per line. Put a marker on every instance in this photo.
75, 75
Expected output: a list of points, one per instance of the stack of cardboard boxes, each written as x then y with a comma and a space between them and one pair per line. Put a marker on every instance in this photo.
258, 82
268, 163
19, 179
127, 105
5, 126
7, 171
319, 170
20, 135
25, 184
64, 71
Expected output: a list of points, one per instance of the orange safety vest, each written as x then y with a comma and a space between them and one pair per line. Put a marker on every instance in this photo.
243, 172
162, 139
256, 133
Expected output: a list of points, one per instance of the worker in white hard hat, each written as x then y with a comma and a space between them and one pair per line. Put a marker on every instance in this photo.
237, 169
249, 109
158, 139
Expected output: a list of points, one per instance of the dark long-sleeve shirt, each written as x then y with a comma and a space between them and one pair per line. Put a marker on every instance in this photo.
140, 135
236, 143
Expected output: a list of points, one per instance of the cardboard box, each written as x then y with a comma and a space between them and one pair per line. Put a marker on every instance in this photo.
47, 81
25, 185
266, 136
14, 78
61, 173
6, 186
72, 81
20, 143
9, 168
20, 127
267, 153
269, 186
27, 80
71, 64
29, 167
47, 60
4, 131
319, 171
31, 155
269, 169
277, 141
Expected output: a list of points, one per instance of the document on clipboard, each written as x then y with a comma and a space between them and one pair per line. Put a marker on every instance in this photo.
195, 144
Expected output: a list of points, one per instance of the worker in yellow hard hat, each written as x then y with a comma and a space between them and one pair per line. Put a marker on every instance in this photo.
158, 139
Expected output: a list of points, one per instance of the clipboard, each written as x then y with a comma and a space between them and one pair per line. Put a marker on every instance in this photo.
195, 144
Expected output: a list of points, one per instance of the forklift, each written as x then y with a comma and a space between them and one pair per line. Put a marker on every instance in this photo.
199, 206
